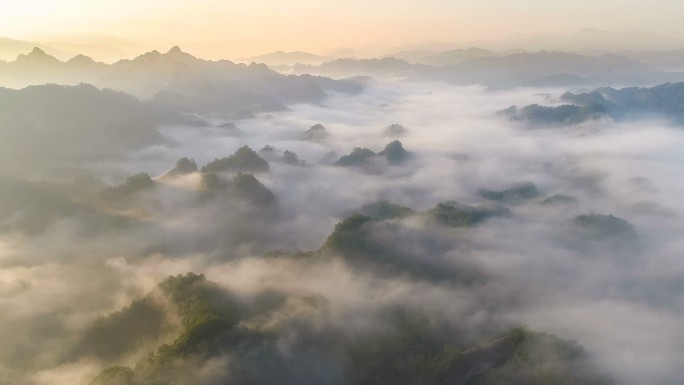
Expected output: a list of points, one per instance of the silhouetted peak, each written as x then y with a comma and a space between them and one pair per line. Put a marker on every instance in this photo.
81, 59
516, 194
244, 159
395, 130
395, 152
357, 157
184, 166
37, 55
174, 50
150, 54
315, 133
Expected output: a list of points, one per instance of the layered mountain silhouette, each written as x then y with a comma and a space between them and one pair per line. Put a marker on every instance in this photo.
178, 79
286, 58
544, 68
662, 101
393, 153
42, 125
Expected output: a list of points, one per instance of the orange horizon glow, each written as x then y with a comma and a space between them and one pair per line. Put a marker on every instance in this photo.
229, 29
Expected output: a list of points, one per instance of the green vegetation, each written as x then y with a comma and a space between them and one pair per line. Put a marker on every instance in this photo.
244, 160
244, 187
248, 188
559, 199
457, 215
516, 194
386, 210
124, 331
348, 236
665, 99
211, 182
134, 184
413, 351
115, 375
205, 311
600, 226
410, 348
543, 359
184, 166
394, 152
566, 114
316, 133
354, 239
292, 158
358, 156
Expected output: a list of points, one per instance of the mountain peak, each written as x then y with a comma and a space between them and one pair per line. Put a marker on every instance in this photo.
37, 55
174, 50
81, 59
395, 152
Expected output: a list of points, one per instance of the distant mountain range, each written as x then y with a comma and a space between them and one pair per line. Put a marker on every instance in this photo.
178, 79
665, 101
443, 58
109, 50
475, 66
582, 40
286, 58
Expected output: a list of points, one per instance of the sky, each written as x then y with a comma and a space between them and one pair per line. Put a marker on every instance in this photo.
216, 28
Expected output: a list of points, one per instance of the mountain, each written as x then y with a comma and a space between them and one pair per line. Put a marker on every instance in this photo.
520, 68
544, 68
286, 58
385, 210
10, 48
37, 58
395, 130
179, 80
665, 60
271, 154
515, 194
32, 207
206, 324
358, 157
316, 133
101, 47
38, 67
354, 67
41, 120
394, 153
585, 40
134, 184
665, 100
454, 214
454, 56
565, 114
662, 101
184, 166
243, 160
177, 72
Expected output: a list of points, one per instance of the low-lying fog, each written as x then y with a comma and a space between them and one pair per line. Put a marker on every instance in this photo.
621, 299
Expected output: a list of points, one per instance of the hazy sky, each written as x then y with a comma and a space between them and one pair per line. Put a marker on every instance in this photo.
217, 28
